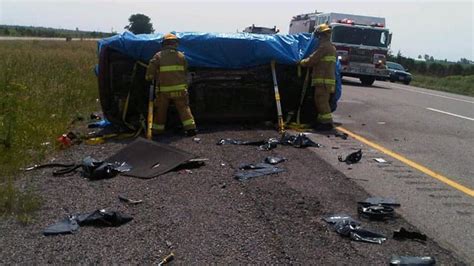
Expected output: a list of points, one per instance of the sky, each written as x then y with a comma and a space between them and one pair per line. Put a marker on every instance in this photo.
442, 29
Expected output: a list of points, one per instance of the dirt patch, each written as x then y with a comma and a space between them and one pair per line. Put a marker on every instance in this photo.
207, 216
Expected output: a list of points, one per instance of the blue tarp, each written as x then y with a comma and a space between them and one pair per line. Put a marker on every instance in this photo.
219, 50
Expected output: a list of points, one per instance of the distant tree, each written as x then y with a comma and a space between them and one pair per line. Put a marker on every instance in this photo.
419, 56
139, 24
457, 69
426, 57
421, 68
431, 59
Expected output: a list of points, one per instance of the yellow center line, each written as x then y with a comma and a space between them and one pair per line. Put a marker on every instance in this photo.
411, 163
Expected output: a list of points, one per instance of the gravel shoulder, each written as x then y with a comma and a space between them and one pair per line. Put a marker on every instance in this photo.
206, 216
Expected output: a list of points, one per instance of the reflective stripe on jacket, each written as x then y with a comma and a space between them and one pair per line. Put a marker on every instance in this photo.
323, 62
169, 67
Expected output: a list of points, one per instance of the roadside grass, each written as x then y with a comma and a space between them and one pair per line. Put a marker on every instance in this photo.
455, 84
44, 85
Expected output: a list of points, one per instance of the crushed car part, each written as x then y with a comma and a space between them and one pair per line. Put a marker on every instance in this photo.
149, 158
351, 158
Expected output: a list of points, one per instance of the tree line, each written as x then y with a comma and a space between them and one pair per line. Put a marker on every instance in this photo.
434, 67
24, 31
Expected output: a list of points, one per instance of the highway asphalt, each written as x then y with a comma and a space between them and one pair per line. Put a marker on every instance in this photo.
432, 172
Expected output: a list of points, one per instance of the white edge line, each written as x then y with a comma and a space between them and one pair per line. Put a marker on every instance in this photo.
443, 112
433, 94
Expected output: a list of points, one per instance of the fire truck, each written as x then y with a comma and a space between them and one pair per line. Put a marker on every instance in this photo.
362, 42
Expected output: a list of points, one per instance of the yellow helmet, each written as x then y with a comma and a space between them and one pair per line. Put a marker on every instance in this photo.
323, 28
170, 37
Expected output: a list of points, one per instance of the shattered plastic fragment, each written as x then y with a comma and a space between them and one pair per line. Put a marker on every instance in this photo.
103, 218
380, 201
376, 212
298, 141
274, 160
96, 218
380, 160
364, 235
402, 233
334, 218
255, 170
347, 226
66, 226
352, 158
341, 135
270, 144
409, 260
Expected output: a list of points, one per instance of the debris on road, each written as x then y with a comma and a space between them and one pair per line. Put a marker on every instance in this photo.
380, 201
101, 218
68, 139
254, 170
167, 259
409, 260
100, 124
376, 212
402, 234
197, 140
346, 226
380, 160
298, 141
274, 160
149, 158
130, 201
341, 135
352, 158
91, 168
240, 142
270, 144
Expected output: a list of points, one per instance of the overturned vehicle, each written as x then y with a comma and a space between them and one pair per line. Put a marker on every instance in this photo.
229, 77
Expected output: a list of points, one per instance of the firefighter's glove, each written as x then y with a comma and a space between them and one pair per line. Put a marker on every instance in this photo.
149, 77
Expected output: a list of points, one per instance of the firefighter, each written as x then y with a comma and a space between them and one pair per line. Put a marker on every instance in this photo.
323, 62
169, 68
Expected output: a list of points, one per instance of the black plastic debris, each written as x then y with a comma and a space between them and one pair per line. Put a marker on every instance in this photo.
402, 234
412, 261
346, 226
249, 171
376, 212
298, 141
380, 201
274, 160
149, 158
91, 168
66, 226
341, 135
270, 144
352, 158
101, 218
95, 170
